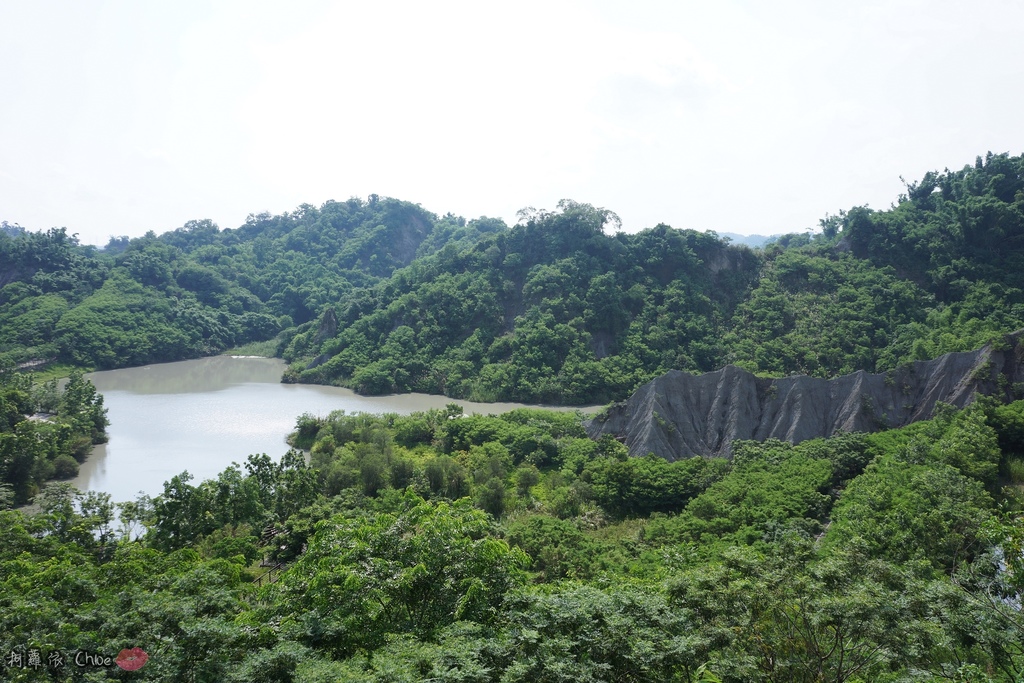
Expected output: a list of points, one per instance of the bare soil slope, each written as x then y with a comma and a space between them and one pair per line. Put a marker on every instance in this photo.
679, 415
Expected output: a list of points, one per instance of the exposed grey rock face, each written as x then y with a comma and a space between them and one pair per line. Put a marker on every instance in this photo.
679, 415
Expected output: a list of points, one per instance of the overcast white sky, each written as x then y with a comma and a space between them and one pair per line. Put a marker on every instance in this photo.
753, 117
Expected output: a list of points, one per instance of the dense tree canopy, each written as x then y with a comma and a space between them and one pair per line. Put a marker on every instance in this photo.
854, 558
199, 290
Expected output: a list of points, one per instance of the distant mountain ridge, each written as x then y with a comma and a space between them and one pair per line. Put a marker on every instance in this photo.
680, 415
753, 241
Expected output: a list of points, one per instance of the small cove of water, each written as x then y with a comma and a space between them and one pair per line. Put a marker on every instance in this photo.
202, 415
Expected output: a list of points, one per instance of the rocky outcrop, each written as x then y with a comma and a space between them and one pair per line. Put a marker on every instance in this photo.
679, 415
328, 327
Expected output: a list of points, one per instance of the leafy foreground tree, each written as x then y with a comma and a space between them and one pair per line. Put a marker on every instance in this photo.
788, 616
415, 570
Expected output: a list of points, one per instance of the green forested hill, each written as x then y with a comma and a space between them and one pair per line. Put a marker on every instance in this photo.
383, 296
553, 310
941, 271
557, 310
198, 289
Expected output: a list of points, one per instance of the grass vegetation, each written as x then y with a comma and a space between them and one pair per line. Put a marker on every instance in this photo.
49, 371
266, 349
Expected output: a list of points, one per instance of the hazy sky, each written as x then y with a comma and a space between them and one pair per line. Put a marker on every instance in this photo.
750, 117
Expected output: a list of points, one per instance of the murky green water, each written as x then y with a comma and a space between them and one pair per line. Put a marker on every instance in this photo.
202, 415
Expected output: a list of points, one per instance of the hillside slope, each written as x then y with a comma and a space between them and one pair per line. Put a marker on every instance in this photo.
680, 415
554, 310
557, 310
198, 290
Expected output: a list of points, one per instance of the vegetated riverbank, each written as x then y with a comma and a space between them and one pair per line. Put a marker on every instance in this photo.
34, 449
45, 370
261, 349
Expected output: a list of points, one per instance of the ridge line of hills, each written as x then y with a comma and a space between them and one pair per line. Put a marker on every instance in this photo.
383, 296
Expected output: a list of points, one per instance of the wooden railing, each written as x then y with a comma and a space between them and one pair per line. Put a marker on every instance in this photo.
271, 575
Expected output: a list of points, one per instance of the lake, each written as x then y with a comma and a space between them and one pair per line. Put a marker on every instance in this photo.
202, 415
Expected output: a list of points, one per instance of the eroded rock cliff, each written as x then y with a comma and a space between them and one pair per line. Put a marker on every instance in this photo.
679, 415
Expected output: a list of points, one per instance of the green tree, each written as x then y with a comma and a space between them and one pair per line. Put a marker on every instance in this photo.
416, 571
903, 512
785, 617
